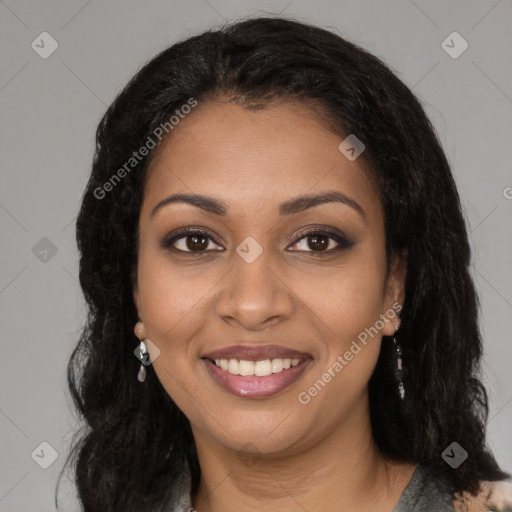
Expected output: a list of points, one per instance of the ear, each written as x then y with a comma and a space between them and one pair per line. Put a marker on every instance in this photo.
136, 300
135, 290
395, 292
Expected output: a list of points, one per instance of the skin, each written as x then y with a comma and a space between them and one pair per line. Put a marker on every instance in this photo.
271, 453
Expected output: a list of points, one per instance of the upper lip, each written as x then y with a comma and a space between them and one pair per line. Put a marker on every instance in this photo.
256, 353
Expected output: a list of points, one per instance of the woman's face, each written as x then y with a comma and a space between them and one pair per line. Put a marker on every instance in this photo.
254, 286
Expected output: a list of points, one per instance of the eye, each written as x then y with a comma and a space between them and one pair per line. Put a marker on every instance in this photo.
320, 241
190, 240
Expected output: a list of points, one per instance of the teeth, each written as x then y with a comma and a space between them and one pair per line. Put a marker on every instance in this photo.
233, 366
263, 368
277, 365
257, 368
246, 368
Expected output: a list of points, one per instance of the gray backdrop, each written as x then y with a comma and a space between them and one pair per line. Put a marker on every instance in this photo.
51, 101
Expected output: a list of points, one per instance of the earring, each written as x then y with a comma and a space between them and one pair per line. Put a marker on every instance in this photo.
142, 355
398, 369
141, 376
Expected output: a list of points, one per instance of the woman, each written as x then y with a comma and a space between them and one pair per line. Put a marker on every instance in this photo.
272, 216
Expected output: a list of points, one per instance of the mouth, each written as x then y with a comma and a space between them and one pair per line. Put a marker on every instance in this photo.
256, 372
255, 368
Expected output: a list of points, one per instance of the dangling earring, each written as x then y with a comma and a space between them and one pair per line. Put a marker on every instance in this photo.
398, 369
141, 353
141, 376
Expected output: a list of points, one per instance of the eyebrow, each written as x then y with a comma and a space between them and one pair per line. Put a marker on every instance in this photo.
292, 206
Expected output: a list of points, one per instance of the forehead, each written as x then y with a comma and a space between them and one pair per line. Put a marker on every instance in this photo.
253, 158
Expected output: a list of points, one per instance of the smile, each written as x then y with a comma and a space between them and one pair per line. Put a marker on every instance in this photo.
256, 379
255, 368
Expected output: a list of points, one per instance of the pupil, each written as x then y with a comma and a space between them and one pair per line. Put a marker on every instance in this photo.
316, 244
194, 245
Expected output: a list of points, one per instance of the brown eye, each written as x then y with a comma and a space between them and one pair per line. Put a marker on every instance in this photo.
318, 242
188, 241
196, 242
322, 242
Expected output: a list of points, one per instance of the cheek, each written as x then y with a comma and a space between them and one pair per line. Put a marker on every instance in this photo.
173, 310
344, 300
171, 296
345, 306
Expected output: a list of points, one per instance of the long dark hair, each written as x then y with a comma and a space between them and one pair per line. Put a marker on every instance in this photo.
135, 442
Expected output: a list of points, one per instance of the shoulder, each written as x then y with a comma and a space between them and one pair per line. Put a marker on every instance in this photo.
425, 492
493, 496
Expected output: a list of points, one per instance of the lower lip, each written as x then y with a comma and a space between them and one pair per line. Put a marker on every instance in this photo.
256, 387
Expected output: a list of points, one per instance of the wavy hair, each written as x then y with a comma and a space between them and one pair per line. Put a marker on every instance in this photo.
135, 443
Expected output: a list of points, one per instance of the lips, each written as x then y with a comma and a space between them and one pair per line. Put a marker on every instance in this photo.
256, 371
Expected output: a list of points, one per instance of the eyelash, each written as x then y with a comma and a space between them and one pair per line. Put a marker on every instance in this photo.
343, 243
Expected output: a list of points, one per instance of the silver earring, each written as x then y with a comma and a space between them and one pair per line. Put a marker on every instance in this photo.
141, 376
398, 370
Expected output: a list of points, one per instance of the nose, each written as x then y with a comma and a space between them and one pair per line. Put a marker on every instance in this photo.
255, 294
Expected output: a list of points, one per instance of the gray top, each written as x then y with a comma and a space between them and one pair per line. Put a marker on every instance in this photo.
422, 494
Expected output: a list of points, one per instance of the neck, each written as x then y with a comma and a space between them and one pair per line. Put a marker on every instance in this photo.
342, 471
